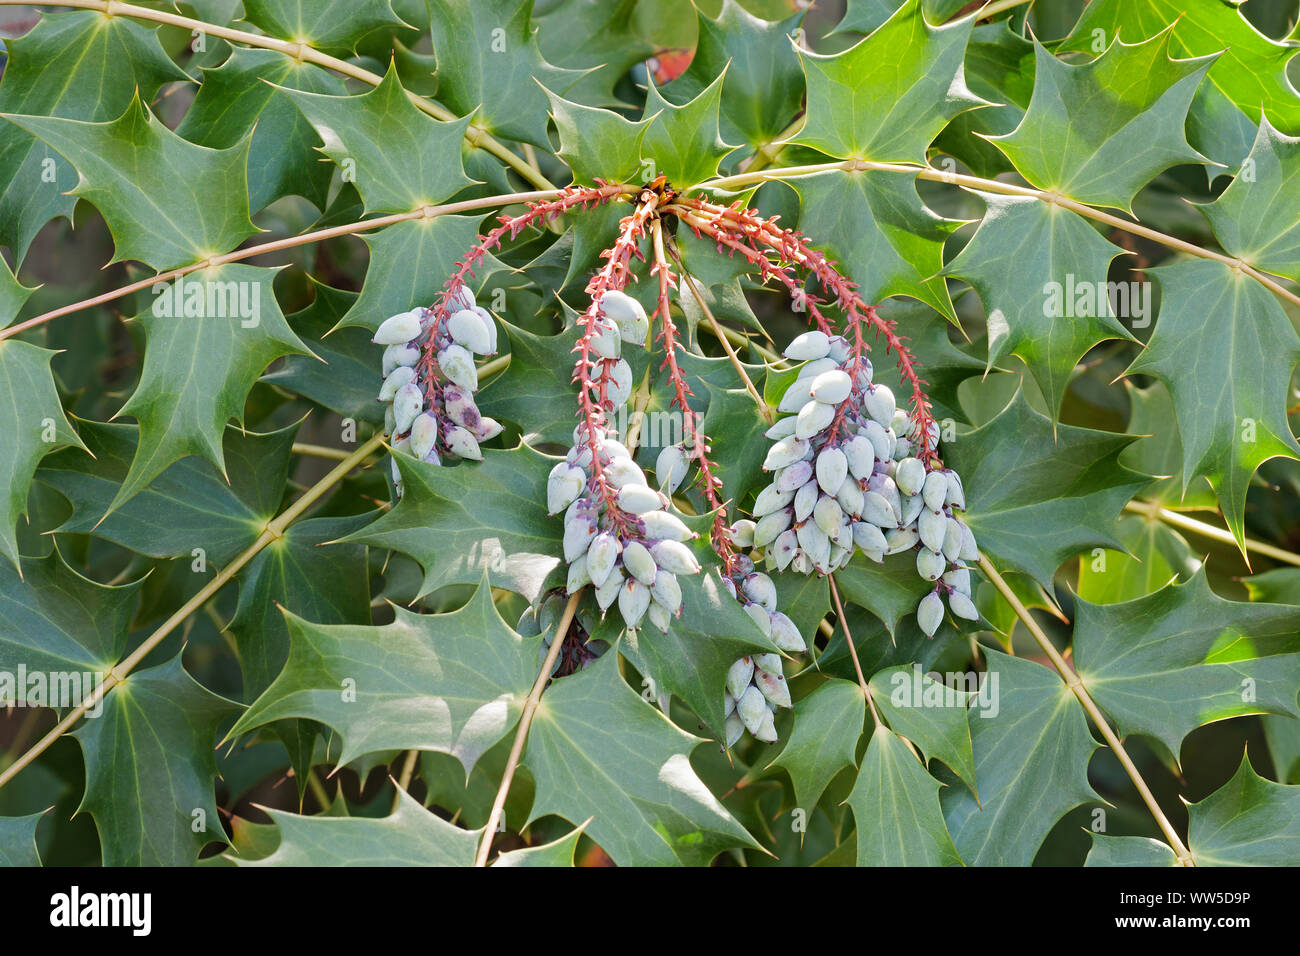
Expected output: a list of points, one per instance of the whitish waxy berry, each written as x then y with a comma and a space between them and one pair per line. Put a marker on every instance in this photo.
461, 442
773, 687
850, 497
793, 477
810, 370
785, 452
674, 557
880, 405
935, 490
772, 499
785, 635
832, 466
667, 591
605, 340
742, 533
796, 396
877, 509
929, 564
563, 486
808, 346
670, 468
931, 526
462, 298
458, 365
466, 328
624, 471
628, 314
910, 476
969, 550
859, 455
638, 499
661, 524
952, 540
486, 429
752, 708
783, 549
608, 593
396, 356
602, 554
901, 539
882, 441
399, 329
783, 428
770, 525
840, 349
759, 587
738, 677
407, 403
963, 606
805, 500
827, 515
929, 613
766, 729
579, 529
633, 602
813, 417
735, 729
639, 563
395, 380
578, 576
831, 387
958, 579
659, 618
424, 435
619, 389
868, 537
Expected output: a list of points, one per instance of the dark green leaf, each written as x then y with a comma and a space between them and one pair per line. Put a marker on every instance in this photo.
824, 739
334, 25
167, 202
18, 840
597, 750
929, 714
683, 142
453, 682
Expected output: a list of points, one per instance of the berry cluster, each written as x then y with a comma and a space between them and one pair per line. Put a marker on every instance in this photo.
430, 379
848, 476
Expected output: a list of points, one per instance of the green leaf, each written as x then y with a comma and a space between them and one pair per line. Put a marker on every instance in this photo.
241, 96
1283, 737
1098, 132
332, 25
1279, 586
12, 294
151, 769
1159, 451
598, 143
556, 853
1251, 70
1154, 555
604, 38
32, 419
896, 808
597, 750
489, 515
453, 683
887, 97
1022, 476
1226, 350
1180, 658
18, 840
683, 142
307, 574
79, 65
54, 620
490, 66
190, 505
537, 382
166, 201
763, 85
928, 713
712, 633
209, 336
824, 739
1040, 272
890, 590
1032, 748
944, 366
1257, 218
1129, 851
883, 236
409, 836
410, 263
399, 158
1249, 821
345, 377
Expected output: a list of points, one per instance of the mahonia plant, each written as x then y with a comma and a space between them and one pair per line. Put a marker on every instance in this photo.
660, 433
